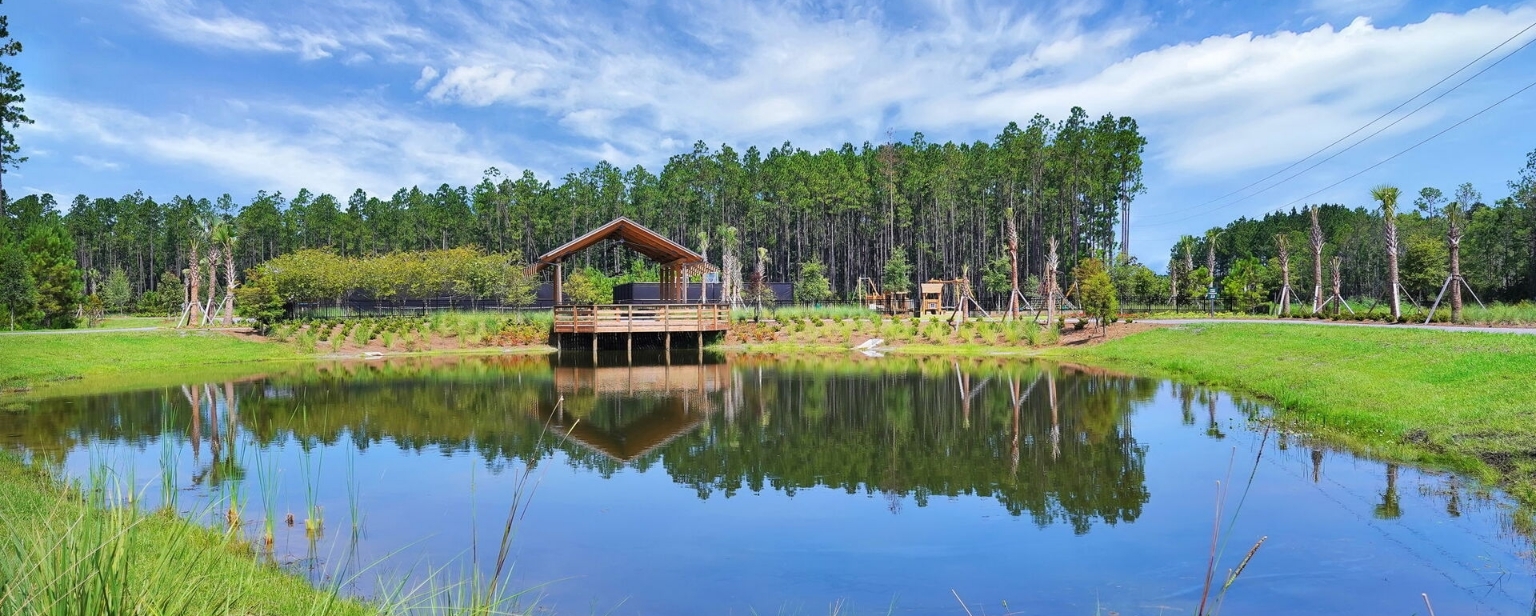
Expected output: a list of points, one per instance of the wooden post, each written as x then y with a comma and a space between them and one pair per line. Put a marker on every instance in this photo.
559, 283
629, 326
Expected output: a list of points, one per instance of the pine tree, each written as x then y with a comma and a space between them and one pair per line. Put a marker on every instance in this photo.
18, 291
11, 113
51, 259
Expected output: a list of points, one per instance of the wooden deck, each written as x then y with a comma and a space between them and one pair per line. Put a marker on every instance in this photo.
642, 318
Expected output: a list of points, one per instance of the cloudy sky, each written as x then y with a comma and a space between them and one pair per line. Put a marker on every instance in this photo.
209, 96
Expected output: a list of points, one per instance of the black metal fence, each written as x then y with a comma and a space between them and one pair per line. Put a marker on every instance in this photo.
362, 306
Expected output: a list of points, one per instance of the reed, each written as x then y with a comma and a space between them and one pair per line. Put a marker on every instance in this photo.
312, 463
1219, 537
268, 482
63, 556
169, 457
353, 506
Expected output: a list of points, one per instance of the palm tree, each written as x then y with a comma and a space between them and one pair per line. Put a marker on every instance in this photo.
208, 226
223, 238
1455, 216
1317, 263
1387, 196
194, 307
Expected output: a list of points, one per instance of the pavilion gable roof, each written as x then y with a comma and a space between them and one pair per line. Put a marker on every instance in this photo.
636, 237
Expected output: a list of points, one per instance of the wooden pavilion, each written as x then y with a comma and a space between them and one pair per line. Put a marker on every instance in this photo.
673, 315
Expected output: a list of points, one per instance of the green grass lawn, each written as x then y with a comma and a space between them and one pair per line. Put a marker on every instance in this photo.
1465, 401
41, 360
123, 322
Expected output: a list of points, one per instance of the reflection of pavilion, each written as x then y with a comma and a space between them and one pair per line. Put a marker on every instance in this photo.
636, 409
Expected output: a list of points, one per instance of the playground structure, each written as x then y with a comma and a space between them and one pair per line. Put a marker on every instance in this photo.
892, 302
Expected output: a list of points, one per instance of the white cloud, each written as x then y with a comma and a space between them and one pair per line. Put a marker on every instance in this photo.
749, 73
314, 32
332, 148
632, 82
428, 75
97, 164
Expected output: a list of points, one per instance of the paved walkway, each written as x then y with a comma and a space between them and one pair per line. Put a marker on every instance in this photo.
1529, 331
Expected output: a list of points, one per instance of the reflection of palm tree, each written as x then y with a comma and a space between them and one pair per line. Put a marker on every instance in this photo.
1453, 500
1050, 378
1214, 429
1013, 448
1186, 402
196, 431
1390, 508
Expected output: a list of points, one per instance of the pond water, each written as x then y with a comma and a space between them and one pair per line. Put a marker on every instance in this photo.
759, 484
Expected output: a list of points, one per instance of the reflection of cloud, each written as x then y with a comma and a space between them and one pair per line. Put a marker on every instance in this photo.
334, 149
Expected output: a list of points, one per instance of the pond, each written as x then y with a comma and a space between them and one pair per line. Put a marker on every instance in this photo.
708, 484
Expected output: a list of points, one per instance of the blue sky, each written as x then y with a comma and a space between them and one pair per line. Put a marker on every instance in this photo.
207, 96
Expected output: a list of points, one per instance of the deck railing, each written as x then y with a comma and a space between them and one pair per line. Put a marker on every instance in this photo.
641, 318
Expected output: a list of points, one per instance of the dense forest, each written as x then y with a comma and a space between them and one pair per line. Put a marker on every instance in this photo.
850, 209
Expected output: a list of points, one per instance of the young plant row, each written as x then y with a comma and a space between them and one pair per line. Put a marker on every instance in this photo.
898, 330
413, 333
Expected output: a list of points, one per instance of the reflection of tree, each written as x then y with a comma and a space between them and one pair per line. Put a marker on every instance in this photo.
1187, 403
906, 428
1213, 428
1390, 507
915, 442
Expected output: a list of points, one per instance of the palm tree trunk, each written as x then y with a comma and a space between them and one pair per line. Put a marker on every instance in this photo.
1392, 273
213, 282
229, 285
1317, 263
1456, 281
194, 279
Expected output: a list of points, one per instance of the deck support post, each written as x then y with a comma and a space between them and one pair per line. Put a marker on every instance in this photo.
559, 282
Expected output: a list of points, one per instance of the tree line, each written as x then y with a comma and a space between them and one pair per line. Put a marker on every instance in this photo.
1494, 241
849, 209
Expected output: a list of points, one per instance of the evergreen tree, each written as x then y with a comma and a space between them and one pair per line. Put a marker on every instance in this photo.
12, 115
1098, 291
51, 260
813, 285
116, 293
18, 291
897, 276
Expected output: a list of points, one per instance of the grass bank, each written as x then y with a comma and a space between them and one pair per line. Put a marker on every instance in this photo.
42, 360
60, 554
1464, 401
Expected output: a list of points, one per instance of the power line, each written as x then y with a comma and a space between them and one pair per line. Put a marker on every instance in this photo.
1412, 147
1363, 127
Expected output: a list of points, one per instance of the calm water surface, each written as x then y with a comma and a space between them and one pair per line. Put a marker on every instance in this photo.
761, 484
